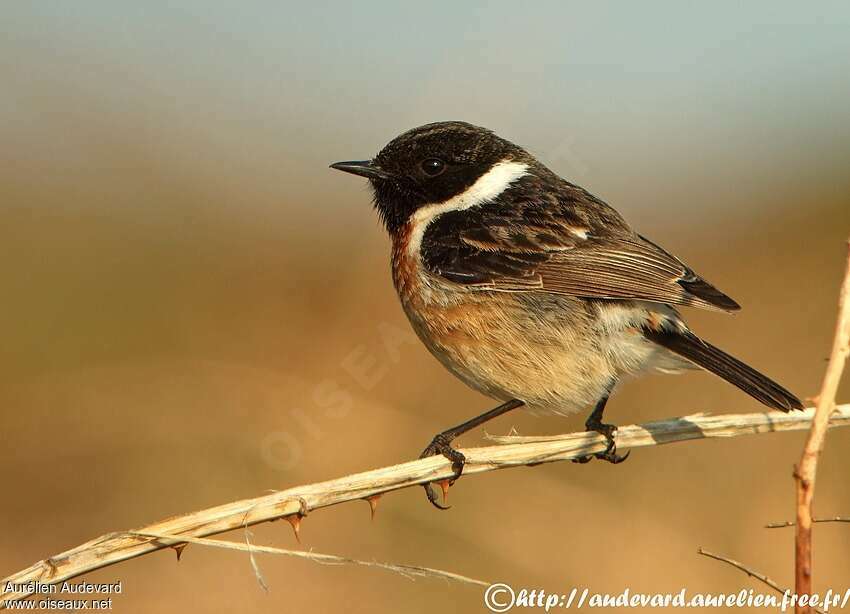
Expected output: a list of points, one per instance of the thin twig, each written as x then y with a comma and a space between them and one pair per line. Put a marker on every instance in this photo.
806, 470
791, 523
254, 566
297, 501
749, 571
328, 559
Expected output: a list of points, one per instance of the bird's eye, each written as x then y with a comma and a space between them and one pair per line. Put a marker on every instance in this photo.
433, 167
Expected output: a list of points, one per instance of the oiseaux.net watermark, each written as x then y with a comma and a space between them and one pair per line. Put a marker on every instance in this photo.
503, 598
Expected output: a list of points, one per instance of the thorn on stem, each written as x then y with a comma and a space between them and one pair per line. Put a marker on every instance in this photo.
178, 549
373, 504
295, 521
444, 486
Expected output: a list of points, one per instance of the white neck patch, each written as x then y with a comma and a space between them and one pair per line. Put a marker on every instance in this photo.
488, 187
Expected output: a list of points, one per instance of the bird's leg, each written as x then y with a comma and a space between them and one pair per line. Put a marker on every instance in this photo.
594, 423
441, 444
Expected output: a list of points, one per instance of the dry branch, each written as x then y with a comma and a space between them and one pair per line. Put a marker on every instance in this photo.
806, 470
791, 523
296, 502
749, 571
317, 557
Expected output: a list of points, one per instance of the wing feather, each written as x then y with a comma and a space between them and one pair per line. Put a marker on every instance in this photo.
566, 243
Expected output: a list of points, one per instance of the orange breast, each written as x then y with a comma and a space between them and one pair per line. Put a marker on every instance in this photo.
405, 267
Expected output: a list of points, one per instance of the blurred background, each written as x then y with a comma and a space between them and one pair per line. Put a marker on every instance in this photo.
184, 279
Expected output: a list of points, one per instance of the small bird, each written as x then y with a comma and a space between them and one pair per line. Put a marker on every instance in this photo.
530, 289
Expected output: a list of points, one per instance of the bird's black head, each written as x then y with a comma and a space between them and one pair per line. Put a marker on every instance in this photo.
430, 164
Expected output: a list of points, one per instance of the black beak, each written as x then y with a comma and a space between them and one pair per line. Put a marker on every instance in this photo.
364, 168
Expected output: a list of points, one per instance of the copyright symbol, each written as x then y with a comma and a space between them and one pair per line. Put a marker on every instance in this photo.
499, 597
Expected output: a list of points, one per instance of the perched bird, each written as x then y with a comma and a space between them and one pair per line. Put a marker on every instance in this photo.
530, 289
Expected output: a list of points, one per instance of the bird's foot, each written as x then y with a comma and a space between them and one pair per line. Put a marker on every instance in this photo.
610, 453
441, 444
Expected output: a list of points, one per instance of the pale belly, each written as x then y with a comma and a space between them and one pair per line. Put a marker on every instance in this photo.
558, 354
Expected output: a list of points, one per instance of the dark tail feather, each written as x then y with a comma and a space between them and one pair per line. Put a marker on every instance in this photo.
758, 386
700, 288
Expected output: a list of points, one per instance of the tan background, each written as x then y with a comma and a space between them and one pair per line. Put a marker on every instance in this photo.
181, 273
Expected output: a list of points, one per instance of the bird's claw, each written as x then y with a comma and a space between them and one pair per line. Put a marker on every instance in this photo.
610, 453
441, 444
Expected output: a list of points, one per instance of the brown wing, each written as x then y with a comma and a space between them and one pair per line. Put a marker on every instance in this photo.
629, 268
561, 249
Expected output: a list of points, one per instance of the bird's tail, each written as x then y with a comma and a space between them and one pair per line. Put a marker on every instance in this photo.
760, 387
